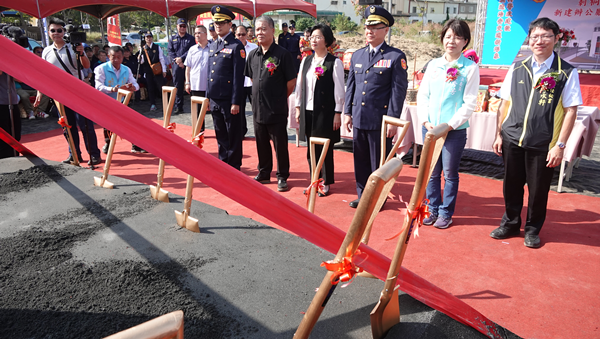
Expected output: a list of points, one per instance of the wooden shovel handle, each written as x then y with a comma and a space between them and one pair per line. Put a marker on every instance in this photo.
168, 99
404, 125
316, 168
61, 110
351, 242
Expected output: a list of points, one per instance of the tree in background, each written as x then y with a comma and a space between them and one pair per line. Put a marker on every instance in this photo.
304, 23
343, 23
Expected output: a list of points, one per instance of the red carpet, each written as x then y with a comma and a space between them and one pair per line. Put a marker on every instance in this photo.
551, 292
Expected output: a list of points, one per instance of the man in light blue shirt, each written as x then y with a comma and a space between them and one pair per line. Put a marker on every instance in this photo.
196, 65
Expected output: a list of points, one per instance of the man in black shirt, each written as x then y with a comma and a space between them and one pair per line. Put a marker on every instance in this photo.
293, 45
273, 75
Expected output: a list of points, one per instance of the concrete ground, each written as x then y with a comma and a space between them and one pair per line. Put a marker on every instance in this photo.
78, 261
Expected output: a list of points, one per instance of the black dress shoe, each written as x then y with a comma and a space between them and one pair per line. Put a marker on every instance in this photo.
262, 180
532, 241
354, 203
94, 161
325, 191
504, 232
178, 110
282, 185
70, 160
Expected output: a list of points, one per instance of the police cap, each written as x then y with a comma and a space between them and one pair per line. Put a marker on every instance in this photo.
378, 15
181, 21
221, 13
284, 24
211, 27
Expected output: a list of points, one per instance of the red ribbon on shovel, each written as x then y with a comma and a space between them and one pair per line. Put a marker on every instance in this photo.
343, 271
61, 121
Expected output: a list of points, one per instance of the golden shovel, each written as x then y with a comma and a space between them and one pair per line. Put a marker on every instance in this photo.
156, 191
183, 218
386, 313
365, 207
316, 169
61, 110
102, 182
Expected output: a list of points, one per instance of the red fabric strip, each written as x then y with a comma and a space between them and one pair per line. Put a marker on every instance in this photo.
7, 138
192, 160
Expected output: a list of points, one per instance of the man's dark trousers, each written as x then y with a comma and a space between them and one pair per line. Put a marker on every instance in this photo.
179, 82
367, 153
228, 130
89, 134
525, 166
277, 132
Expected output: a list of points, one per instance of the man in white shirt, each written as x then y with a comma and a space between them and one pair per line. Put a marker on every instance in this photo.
241, 33
62, 55
112, 76
153, 81
540, 96
196, 65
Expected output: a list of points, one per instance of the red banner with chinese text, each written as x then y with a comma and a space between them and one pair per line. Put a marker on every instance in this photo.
113, 30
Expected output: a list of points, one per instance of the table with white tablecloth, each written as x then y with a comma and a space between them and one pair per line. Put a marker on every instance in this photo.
482, 133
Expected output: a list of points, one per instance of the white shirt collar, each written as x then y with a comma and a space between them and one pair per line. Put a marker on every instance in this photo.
376, 48
548, 62
223, 38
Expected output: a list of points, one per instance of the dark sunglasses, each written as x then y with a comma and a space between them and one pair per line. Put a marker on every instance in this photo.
241, 34
56, 30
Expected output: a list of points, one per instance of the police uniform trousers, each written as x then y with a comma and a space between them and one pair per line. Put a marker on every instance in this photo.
228, 130
277, 132
327, 170
6, 150
154, 84
367, 153
522, 166
179, 82
87, 129
200, 94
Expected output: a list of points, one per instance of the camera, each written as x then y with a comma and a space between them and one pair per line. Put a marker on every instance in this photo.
74, 34
15, 34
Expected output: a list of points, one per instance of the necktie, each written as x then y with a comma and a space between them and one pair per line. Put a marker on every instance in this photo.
372, 55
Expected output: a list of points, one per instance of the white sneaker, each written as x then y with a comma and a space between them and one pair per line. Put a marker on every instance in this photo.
42, 115
31, 116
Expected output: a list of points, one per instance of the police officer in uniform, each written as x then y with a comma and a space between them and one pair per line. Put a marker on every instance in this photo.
178, 48
226, 87
293, 46
282, 38
376, 86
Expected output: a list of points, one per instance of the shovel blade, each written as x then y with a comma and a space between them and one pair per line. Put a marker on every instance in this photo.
185, 221
101, 182
159, 194
385, 315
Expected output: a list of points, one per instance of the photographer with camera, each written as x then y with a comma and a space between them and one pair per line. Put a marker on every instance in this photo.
62, 55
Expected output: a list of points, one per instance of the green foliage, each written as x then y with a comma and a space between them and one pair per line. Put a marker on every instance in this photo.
304, 23
343, 23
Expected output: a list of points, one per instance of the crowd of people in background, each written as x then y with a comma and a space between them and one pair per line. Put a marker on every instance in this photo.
232, 64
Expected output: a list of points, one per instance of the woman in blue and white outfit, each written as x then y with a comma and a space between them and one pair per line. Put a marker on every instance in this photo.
448, 94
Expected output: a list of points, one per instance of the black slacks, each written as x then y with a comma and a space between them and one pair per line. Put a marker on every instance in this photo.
522, 167
228, 130
264, 134
327, 170
6, 150
367, 152
178, 82
155, 84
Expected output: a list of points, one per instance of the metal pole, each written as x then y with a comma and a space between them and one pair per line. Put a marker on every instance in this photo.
102, 31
